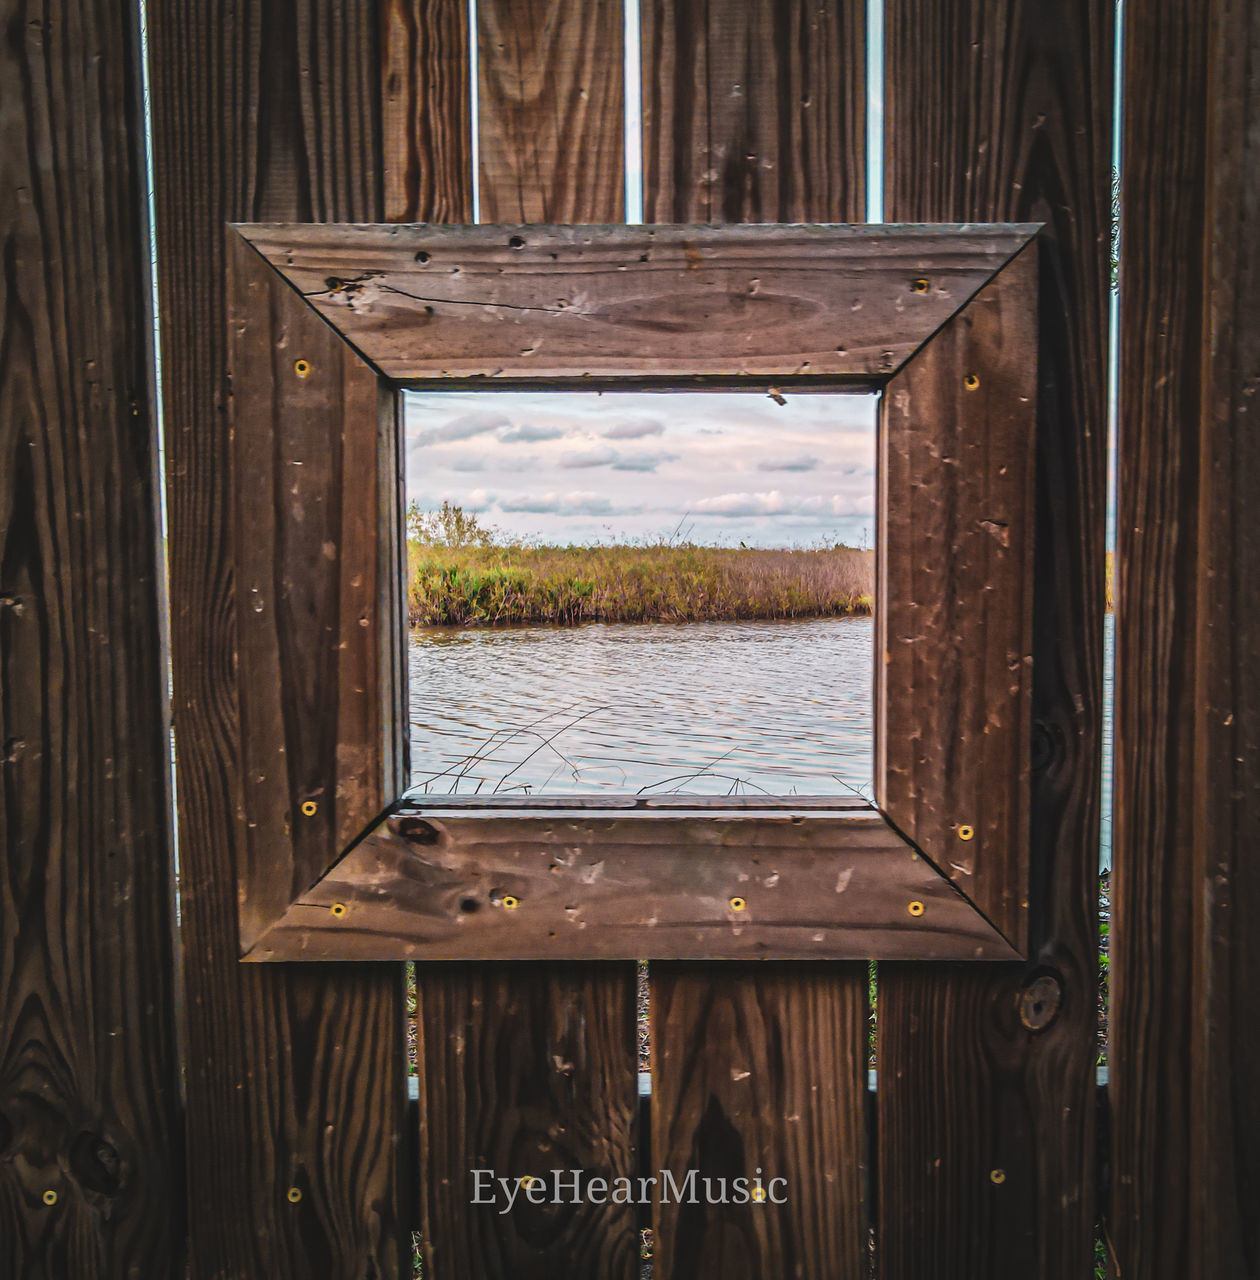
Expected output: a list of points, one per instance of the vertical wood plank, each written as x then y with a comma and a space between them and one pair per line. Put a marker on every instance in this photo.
89, 1077
996, 112
546, 1054
528, 1070
759, 1070
1225, 1112
426, 111
550, 110
295, 1077
754, 111
1184, 1039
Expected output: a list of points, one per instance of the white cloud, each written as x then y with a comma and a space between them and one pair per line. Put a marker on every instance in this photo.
577, 503
467, 462
803, 462
528, 432
600, 456
635, 429
643, 461
478, 423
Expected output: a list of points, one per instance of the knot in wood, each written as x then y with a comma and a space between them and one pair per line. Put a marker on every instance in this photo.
1039, 1003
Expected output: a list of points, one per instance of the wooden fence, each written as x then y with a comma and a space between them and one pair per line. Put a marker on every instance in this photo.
163, 1106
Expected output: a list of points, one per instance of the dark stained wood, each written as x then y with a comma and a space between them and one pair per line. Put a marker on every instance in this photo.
954, 556
1225, 1116
550, 110
835, 1144
426, 110
563, 1042
754, 111
1004, 111
529, 1070
293, 1079
760, 1070
89, 1077
318, 567
1185, 1044
688, 881
585, 302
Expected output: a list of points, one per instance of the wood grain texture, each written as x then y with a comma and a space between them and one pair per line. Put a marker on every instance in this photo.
89, 1077
837, 1143
426, 110
1185, 1045
754, 111
759, 1070
550, 110
555, 1046
644, 882
953, 670
293, 1078
529, 1071
1004, 111
317, 570
503, 303
1225, 1111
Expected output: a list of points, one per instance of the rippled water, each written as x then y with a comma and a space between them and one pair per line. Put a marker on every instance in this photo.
702, 708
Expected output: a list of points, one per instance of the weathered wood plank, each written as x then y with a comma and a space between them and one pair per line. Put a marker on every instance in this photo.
1184, 1039
1225, 1232
823, 1021
1004, 111
563, 1042
760, 1070
550, 110
529, 1071
590, 885
953, 670
89, 1076
584, 302
754, 111
318, 564
426, 110
260, 111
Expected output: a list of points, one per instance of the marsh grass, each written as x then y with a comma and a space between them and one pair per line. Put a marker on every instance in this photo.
505, 585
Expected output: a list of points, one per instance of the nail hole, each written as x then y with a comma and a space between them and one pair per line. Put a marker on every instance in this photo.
422, 257
920, 286
334, 285
971, 382
468, 905
310, 808
516, 243
301, 368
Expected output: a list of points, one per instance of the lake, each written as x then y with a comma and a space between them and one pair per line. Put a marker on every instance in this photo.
720, 708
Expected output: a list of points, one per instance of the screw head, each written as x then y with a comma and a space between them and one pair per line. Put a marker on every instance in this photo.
997, 1177
916, 908
920, 286
510, 903
971, 382
739, 904
294, 1195
338, 909
301, 368
966, 833
309, 808
49, 1197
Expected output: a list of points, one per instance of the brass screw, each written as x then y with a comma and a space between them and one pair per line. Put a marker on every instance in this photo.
971, 382
294, 1195
738, 904
528, 1180
50, 1197
920, 286
510, 903
339, 909
758, 1194
310, 808
301, 368
965, 832
997, 1177
916, 908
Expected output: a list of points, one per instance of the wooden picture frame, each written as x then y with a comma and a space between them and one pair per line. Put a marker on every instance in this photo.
328, 322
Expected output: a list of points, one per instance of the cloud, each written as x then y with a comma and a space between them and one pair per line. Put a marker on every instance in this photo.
643, 461
562, 504
804, 462
467, 462
773, 503
528, 433
600, 456
635, 429
467, 425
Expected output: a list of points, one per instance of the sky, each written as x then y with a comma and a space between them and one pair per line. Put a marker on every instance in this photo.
716, 467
